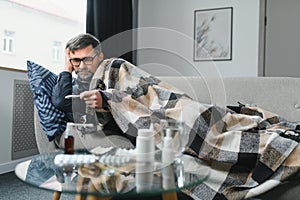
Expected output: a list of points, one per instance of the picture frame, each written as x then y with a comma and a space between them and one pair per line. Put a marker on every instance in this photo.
213, 34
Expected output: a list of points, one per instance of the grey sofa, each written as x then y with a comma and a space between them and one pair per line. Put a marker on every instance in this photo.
276, 94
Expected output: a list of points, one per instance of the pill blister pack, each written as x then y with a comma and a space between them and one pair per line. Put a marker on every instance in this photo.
62, 160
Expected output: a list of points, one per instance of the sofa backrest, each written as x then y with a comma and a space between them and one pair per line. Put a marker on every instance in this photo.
275, 94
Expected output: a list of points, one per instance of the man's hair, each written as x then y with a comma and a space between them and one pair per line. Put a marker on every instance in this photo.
83, 40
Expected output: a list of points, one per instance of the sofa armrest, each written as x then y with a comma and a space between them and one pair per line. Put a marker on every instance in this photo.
81, 142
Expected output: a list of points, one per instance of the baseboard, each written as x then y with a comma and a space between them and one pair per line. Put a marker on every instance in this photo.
10, 166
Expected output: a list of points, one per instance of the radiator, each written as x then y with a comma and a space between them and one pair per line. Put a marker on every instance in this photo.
23, 137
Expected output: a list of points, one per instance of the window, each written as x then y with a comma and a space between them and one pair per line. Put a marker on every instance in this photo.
8, 41
57, 51
38, 30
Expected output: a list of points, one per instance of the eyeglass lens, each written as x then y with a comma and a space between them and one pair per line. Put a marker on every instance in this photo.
85, 60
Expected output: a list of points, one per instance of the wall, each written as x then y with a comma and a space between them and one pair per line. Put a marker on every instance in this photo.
167, 47
7, 78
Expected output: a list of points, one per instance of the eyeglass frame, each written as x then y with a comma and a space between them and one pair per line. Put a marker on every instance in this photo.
82, 60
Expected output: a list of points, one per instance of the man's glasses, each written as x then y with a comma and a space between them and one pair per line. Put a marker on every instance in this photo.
86, 60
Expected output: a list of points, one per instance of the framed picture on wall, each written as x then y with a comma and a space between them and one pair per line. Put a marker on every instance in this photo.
213, 34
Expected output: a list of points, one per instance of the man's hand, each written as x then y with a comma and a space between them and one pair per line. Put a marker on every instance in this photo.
92, 98
68, 64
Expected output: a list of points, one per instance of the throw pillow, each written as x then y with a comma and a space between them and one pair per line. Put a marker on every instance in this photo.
42, 82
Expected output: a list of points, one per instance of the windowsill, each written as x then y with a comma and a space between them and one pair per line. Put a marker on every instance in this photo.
8, 53
12, 69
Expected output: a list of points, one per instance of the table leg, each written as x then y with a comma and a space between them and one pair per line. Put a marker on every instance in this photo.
93, 197
83, 185
56, 195
81, 188
80, 197
170, 196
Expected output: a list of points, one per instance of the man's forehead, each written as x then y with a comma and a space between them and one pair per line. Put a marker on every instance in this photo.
87, 50
81, 54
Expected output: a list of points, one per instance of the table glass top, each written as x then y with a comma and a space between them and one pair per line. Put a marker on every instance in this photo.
110, 173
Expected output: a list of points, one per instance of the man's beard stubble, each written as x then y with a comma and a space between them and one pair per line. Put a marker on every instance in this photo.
84, 75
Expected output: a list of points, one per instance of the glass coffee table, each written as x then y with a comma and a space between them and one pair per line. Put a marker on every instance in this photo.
111, 172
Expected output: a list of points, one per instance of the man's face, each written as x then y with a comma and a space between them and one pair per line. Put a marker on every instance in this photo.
85, 62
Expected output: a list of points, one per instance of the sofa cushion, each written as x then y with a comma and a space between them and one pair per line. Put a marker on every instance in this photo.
42, 82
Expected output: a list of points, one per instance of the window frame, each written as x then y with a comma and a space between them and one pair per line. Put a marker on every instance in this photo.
8, 45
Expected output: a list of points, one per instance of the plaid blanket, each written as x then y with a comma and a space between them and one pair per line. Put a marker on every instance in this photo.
250, 150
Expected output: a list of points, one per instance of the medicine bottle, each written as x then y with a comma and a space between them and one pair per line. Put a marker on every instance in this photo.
69, 138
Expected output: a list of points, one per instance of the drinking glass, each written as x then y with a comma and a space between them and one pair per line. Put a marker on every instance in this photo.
174, 139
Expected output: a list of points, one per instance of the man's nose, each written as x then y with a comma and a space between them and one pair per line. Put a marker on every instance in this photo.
82, 65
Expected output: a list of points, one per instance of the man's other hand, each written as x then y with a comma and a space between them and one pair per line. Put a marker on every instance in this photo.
68, 64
